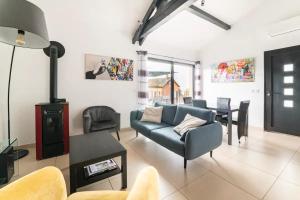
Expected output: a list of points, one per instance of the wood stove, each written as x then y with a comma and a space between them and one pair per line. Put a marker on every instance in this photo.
52, 119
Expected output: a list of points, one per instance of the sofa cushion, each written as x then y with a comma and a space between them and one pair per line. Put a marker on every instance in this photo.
204, 114
145, 128
152, 114
103, 125
169, 111
189, 122
169, 139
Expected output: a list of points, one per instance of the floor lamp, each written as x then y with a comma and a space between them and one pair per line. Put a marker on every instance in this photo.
22, 24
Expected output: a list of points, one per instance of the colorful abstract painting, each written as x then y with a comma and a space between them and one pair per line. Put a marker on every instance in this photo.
108, 68
242, 70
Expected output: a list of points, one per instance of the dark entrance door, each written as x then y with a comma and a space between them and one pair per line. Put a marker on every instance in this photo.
282, 90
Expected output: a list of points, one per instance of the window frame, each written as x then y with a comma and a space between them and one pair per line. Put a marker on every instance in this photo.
172, 63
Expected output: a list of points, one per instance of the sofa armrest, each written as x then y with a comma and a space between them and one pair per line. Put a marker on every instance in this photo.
146, 185
136, 115
202, 140
87, 123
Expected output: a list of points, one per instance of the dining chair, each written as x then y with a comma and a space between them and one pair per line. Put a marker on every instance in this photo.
187, 100
242, 120
200, 103
223, 104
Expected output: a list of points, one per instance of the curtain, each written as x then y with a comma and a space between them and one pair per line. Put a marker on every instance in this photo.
198, 81
142, 79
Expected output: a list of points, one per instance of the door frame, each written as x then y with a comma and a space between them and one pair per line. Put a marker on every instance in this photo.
268, 86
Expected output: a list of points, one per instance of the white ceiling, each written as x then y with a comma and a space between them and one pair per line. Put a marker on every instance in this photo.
189, 32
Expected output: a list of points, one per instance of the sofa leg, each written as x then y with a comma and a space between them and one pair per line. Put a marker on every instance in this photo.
185, 163
118, 135
137, 133
211, 154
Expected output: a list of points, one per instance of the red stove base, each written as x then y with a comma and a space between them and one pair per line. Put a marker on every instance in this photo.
52, 130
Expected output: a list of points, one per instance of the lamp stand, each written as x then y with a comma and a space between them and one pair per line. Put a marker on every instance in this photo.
20, 153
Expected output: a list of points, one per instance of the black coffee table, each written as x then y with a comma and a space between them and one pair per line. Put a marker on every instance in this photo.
91, 148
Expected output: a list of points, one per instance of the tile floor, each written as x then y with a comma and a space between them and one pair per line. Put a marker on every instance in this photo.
266, 166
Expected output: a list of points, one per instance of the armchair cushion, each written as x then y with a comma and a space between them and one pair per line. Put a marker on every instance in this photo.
97, 116
103, 125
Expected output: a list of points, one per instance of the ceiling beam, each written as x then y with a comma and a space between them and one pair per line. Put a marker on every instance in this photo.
208, 17
145, 19
165, 10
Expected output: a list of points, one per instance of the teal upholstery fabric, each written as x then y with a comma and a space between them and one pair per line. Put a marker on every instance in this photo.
168, 114
166, 137
197, 142
145, 128
201, 140
204, 114
136, 115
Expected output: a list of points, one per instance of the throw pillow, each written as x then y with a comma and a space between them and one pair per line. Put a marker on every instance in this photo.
152, 114
188, 123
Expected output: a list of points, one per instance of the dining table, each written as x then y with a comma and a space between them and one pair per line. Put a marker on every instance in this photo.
229, 112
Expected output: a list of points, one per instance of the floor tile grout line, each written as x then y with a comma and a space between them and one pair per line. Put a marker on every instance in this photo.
177, 191
242, 189
251, 166
111, 186
278, 177
177, 188
230, 158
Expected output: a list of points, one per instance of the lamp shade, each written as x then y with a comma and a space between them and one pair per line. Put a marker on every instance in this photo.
22, 20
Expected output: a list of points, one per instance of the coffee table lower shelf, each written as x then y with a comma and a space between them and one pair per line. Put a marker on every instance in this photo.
83, 180
101, 147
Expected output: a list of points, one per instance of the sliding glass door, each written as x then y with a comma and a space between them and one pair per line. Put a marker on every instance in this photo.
159, 81
183, 82
169, 82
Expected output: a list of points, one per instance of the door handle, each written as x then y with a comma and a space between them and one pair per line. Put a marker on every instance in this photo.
268, 93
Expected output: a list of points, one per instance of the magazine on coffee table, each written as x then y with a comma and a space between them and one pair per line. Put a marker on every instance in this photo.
100, 167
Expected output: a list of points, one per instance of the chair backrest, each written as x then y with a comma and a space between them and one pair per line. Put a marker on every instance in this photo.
223, 103
199, 103
243, 111
243, 119
187, 100
99, 113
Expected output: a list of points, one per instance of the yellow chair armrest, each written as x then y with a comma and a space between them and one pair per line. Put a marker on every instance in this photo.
99, 195
47, 184
146, 186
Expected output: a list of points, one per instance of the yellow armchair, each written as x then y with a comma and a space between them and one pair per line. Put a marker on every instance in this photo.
45, 184
48, 184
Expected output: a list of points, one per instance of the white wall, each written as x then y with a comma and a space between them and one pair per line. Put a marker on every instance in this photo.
248, 38
84, 26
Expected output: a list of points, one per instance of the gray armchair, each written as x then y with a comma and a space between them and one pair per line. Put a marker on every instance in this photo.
101, 118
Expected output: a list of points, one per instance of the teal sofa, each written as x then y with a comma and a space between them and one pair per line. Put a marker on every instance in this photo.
193, 144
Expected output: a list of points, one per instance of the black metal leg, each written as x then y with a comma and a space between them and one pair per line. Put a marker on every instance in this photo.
229, 127
211, 154
73, 179
124, 170
137, 133
185, 163
118, 135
